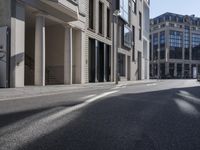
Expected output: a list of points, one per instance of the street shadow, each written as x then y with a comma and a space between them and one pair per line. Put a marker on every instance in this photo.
158, 120
16, 116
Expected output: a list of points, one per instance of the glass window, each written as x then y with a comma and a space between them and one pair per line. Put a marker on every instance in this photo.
155, 46
179, 70
176, 42
127, 36
124, 7
171, 70
121, 64
186, 70
91, 13
133, 39
195, 46
162, 45
162, 70
187, 42
135, 6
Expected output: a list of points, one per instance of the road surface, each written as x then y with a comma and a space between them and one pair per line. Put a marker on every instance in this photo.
164, 115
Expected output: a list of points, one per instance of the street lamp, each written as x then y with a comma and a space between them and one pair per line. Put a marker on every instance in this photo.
116, 14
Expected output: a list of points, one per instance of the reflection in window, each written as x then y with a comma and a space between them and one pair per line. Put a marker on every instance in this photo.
195, 46
187, 42
155, 46
176, 42
162, 45
124, 10
127, 37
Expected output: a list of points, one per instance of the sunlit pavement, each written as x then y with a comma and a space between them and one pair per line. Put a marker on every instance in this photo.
155, 116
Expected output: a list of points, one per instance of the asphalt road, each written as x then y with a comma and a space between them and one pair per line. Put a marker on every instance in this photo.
157, 116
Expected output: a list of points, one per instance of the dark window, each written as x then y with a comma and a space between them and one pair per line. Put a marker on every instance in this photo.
133, 38
140, 19
155, 46
179, 70
100, 17
162, 70
162, 45
140, 24
176, 42
195, 46
108, 22
167, 18
171, 25
171, 70
198, 69
129, 16
186, 70
140, 34
135, 6
121, 64
91, 12
155, 70
173, 18
187, 42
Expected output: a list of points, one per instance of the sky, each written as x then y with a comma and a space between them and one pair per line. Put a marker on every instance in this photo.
184, 7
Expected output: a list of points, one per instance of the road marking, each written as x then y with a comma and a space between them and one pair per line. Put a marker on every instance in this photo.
89, 96
115, 88
119, 86
151, 84
32, 131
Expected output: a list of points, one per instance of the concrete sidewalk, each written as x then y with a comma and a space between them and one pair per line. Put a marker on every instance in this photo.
34, 91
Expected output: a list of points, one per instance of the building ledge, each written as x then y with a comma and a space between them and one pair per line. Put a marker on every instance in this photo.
65, 6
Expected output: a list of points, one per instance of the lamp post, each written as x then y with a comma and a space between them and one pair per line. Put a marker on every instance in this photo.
116, 14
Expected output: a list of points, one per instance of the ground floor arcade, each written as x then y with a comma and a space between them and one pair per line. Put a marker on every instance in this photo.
174, 70
48, 50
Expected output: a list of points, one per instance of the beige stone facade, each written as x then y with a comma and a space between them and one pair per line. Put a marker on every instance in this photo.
57, 42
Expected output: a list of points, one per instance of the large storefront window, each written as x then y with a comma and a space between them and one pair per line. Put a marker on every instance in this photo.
186, 70
176, 43
171, 70
162, 70
179, 70
198, 69
195, 46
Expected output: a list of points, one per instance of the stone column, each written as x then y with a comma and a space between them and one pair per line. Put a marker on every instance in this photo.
40, 51
68, 56
17, 45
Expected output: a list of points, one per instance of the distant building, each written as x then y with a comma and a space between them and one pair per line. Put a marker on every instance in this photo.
175, 46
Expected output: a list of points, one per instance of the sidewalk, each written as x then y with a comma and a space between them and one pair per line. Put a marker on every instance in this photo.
34, 91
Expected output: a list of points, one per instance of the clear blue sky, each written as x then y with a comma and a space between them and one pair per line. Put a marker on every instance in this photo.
185, 7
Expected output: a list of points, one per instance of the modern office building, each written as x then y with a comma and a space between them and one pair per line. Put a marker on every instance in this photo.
175, 46
48, 42
131, 39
